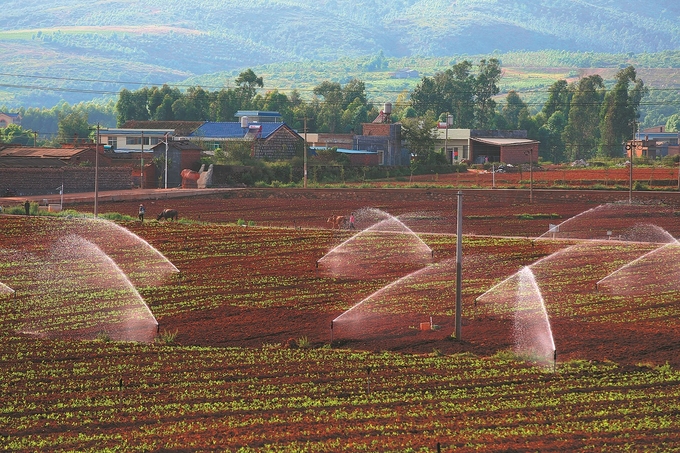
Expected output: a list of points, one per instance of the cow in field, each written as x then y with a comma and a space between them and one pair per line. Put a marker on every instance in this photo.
337, 221
168, 214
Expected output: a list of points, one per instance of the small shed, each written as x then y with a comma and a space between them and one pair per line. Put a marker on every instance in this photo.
507, 150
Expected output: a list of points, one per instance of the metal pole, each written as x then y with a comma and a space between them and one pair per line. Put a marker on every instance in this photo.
630, 175
141, 168
304, 183
531, 175
446, 139
166, 161
630, 168
459, 267
96, 173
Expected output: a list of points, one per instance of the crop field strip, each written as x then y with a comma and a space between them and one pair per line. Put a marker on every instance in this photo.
93, 395
61, 395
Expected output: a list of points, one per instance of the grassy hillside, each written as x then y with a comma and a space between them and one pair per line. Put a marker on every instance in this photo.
75, 50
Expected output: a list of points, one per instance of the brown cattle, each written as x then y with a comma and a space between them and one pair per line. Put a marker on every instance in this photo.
336, 221
168, 214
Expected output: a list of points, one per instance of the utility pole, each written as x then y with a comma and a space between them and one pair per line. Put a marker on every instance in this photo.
35, 139
446, 138
304, 170
166, 160
459, 267
141, 168
630, 167
96, 172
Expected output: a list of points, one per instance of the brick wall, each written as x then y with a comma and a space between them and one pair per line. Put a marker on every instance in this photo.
517, 155
382, 129
45, 181
282, 144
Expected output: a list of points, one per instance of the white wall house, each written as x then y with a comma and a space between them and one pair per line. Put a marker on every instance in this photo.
134, 140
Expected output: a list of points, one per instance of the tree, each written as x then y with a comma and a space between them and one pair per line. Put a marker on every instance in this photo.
164, 110
132, 105
673, 123
513, 108
582, 132
16, 135
72, 126
418, 133
354, 90
248, 83
620, 112
558, 99
450, 91
225, 105
331, 111
550, 136
275, 101
486, 87
160, 102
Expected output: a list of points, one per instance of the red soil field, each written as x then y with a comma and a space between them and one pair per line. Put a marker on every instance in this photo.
486, 212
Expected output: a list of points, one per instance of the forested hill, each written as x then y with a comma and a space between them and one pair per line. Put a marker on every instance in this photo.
156, 41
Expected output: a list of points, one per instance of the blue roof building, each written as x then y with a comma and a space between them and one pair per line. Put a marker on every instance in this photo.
268, 140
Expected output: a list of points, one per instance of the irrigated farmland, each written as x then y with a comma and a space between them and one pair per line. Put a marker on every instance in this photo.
278, 333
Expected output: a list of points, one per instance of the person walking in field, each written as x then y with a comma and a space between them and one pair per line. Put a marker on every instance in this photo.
142, 211
351, 222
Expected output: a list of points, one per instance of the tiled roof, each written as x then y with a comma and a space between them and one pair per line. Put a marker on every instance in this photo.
234, 130
59, 153
180, 127
505, 141
20, 162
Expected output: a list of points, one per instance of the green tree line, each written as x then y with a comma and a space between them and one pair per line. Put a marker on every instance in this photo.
334, 108
578, 120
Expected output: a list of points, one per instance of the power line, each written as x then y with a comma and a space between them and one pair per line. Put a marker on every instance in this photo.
171, 85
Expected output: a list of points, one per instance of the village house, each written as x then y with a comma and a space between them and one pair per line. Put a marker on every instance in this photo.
9, 118
654, 143
481, 146
32, 171
383, 137
268, 137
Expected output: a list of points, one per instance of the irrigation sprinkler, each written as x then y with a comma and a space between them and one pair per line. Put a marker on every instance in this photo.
331, 332
554, 360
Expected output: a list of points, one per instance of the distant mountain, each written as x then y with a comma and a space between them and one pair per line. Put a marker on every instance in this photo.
128, 43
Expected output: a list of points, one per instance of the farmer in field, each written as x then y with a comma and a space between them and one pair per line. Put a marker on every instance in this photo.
351, 222
142, 211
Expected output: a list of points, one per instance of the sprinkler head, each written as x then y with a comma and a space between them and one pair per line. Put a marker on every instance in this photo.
331, 325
